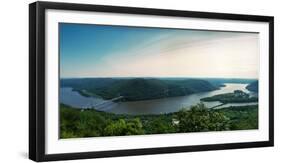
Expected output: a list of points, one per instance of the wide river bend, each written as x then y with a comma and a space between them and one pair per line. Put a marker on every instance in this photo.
156, 106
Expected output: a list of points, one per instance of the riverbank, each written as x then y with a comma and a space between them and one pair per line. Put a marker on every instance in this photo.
77, 123
156, 106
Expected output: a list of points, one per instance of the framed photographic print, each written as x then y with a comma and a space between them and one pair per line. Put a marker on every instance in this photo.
117, 81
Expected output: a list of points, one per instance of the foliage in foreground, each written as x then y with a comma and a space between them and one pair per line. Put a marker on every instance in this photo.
199, 118
76, 123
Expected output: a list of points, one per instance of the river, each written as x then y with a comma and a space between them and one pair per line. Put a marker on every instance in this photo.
156, 106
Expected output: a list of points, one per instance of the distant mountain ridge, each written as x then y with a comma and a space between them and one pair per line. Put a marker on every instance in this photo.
222, 81
137, 88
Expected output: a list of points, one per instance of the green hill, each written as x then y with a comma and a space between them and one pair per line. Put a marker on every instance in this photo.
137, 88
254, 86
237, 96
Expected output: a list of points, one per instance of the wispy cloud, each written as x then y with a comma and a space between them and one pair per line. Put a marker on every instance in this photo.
178, 53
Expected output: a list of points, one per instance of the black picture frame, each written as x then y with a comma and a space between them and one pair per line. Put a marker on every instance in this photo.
37, 80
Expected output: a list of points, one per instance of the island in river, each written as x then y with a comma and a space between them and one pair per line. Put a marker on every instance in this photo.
152, 106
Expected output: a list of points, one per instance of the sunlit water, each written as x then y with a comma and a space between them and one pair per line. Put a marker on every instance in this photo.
157, 106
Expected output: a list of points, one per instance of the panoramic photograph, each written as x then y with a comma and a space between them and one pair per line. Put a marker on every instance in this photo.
126, 80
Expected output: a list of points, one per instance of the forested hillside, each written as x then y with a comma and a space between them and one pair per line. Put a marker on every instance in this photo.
77, 123
137, 88
254, 86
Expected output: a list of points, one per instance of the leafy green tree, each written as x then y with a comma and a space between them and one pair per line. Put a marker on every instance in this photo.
68, 122
121, 127
90, 124
160, 125
218, 122
200, 118
67, 134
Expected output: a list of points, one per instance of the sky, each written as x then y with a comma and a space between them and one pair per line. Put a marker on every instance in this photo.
120, 51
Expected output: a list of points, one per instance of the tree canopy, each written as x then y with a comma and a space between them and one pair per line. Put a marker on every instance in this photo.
200, 118
76, 123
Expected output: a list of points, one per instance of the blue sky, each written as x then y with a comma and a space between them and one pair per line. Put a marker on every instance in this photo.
119, 51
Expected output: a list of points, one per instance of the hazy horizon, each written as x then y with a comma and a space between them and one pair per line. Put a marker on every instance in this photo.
97, 51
